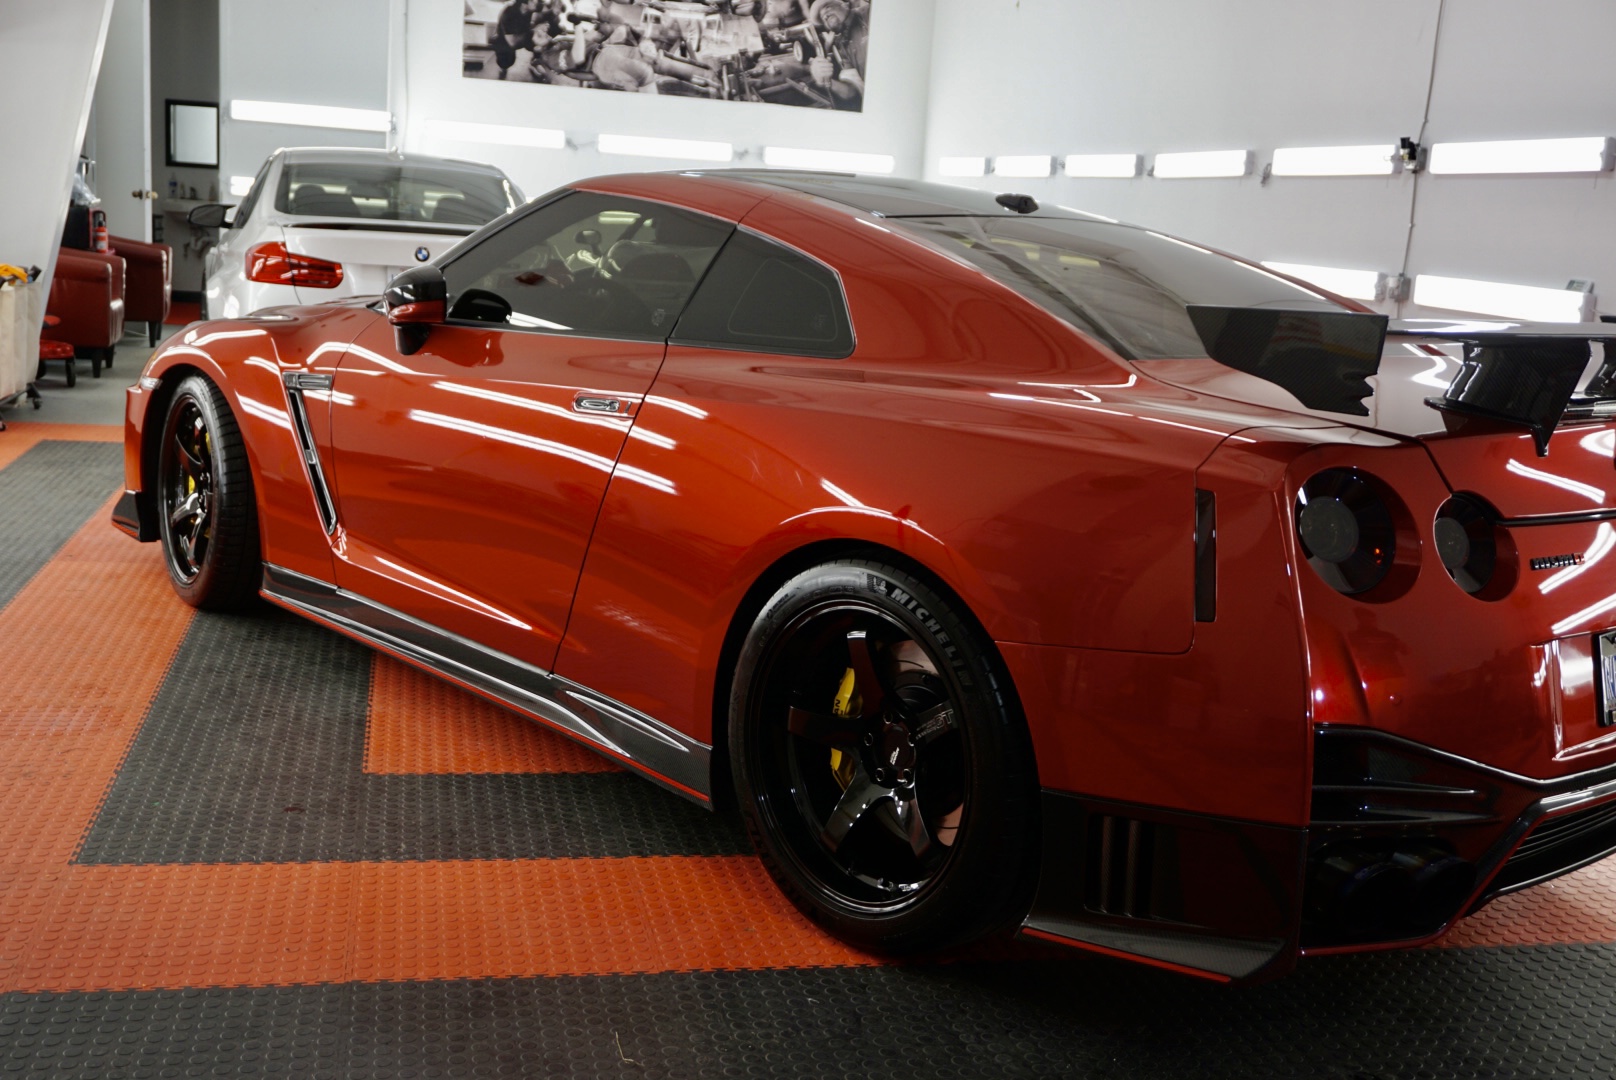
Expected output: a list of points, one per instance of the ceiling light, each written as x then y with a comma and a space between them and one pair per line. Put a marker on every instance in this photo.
240, 185
1203, 163
963, 166
322, 116
498, 134
1102, 165
1522, 156
1525, 302
1026, 166
785, 157
647, 146
1380, 160
1356, 284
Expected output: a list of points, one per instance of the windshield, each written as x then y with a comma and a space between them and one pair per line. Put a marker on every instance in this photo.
388, 191
1127, 286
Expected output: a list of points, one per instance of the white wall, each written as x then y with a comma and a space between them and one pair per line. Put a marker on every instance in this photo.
307, 52
1063, 76
50, 54
1509, 70
893, 121
120, 135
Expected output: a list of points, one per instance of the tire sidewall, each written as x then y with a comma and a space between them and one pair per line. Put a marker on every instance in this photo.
215, 583
987, 865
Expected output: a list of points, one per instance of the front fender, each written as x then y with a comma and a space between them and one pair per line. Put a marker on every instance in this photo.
246, 359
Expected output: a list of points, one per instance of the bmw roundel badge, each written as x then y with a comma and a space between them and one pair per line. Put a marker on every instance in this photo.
422, 254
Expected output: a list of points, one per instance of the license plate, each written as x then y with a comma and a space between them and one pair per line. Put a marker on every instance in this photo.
1605, 657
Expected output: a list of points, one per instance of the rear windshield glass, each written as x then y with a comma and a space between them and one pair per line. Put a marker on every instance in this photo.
391, 192
1127, 286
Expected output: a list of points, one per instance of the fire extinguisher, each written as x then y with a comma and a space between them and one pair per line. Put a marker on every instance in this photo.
98, 231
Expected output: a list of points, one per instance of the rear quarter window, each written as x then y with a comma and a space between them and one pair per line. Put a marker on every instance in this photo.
763, 297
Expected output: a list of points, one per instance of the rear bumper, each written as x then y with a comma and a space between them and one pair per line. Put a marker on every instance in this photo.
1403, 841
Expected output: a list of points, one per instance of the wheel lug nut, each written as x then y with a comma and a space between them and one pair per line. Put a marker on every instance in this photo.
869, 740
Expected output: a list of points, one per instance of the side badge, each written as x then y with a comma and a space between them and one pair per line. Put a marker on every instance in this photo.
422, 254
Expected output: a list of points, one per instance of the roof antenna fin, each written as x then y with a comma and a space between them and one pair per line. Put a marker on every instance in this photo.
1021, 204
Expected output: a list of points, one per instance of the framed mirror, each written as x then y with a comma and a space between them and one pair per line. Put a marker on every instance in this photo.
193, 133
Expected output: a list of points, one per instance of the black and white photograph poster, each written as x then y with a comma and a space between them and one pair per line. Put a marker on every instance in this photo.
789, 52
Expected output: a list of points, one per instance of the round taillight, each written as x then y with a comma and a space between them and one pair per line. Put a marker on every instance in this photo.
1468, 542
1347, 529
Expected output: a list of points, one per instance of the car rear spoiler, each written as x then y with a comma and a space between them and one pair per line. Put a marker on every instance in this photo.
1524, 373
1322, 357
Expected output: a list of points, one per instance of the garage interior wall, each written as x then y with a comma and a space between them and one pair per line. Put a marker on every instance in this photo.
993, 77
893, 120
305, 52
1096, 76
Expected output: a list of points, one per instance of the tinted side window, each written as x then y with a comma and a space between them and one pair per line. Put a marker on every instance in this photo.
764, 297
587, 264
1127, 286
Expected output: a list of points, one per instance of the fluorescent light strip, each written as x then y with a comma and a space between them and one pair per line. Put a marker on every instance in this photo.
1025, 166
684, 149
1525, 302
1357, 284
962, 166
1336, 161
498, 134
1522, 156
240, 185
320, 116
1203, 164
1121, 166
786, 157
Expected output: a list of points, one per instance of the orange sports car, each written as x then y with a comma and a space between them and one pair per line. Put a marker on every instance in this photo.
1008, 566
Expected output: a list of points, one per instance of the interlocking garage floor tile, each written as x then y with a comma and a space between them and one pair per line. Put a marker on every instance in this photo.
1527, 1014
245, 846
253, 751
47, 494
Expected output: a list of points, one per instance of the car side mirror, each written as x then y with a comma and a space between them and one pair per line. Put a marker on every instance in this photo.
415, 301
211, 215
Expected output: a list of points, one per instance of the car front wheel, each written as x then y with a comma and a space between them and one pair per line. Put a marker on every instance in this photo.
880, 762
208, 520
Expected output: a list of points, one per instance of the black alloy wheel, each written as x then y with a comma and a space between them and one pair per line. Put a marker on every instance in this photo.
884, 772
208, 519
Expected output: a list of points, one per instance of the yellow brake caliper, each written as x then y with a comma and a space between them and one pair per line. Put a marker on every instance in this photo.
841, 765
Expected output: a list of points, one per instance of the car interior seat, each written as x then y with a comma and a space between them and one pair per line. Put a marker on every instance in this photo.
312, 200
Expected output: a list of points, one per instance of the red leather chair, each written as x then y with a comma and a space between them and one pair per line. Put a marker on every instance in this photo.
148, 285
87, 296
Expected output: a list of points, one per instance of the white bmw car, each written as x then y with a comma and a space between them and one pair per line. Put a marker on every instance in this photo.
321, 223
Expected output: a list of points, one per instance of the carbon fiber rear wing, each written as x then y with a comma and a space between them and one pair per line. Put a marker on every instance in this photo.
1525, 374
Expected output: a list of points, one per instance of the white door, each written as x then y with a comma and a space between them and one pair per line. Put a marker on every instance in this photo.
120, 138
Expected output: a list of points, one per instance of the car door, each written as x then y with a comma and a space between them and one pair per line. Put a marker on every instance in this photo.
468, 475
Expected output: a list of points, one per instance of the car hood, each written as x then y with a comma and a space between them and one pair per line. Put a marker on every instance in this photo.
1496, 461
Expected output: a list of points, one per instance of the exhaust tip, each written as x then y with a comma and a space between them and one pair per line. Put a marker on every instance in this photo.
1364, 895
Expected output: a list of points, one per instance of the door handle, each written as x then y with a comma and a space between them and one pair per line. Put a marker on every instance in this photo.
598, 405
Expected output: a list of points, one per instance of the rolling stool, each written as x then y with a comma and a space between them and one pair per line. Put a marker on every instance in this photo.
54, 350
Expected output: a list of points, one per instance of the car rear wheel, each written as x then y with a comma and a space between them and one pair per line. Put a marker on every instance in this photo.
880, 763
208, 520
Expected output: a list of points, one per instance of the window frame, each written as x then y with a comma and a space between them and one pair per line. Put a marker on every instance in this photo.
494, 228
836, 275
